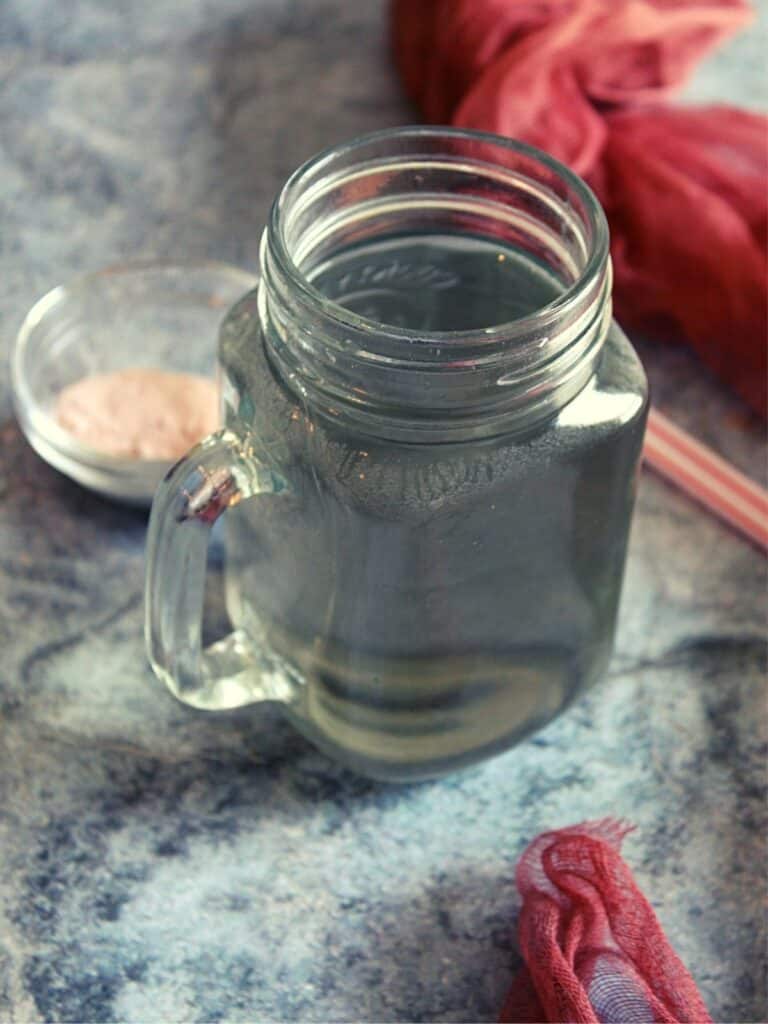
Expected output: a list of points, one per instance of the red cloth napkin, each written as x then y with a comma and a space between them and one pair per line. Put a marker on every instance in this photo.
684, 188
593, 949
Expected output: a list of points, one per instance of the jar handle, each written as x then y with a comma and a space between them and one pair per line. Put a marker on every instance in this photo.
217, 474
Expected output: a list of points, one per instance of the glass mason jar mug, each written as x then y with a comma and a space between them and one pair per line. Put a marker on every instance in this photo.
432, 431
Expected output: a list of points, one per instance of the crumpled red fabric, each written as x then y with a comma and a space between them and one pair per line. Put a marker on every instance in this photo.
593, 948
684, 188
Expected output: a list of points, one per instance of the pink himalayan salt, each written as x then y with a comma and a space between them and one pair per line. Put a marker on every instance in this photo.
140, 413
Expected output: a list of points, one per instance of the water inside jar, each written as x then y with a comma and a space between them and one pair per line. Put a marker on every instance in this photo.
439, 600
437, 282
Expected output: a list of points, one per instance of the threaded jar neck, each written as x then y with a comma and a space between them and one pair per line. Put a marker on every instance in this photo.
400, 381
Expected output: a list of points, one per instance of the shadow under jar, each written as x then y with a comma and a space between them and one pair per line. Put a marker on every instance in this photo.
433, 429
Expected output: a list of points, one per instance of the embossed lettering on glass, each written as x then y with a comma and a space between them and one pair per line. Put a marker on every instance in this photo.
432, 432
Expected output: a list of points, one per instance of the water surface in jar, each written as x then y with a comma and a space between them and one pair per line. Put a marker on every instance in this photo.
439, 600
445, 282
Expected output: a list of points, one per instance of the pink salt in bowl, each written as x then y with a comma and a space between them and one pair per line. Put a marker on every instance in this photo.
96, 364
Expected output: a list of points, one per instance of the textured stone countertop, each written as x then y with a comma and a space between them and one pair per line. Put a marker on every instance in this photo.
163, 865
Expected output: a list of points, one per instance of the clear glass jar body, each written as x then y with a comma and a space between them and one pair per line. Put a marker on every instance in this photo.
438, 602
433, 430
439, 596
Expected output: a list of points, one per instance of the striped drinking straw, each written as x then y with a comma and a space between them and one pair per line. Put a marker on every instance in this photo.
697, 471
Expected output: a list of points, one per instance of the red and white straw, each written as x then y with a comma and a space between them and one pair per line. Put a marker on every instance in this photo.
697, 471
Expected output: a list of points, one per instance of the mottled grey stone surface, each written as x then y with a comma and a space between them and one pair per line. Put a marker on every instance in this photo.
161, 865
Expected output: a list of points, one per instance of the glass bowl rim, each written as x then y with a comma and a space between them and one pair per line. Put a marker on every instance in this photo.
34, 417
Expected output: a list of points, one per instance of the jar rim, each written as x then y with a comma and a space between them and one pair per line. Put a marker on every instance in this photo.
506, 330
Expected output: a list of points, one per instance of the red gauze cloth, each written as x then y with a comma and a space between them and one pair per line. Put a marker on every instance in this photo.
684, 188
593, 949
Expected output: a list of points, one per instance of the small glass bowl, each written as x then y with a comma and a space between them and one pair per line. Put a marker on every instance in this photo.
156, 315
